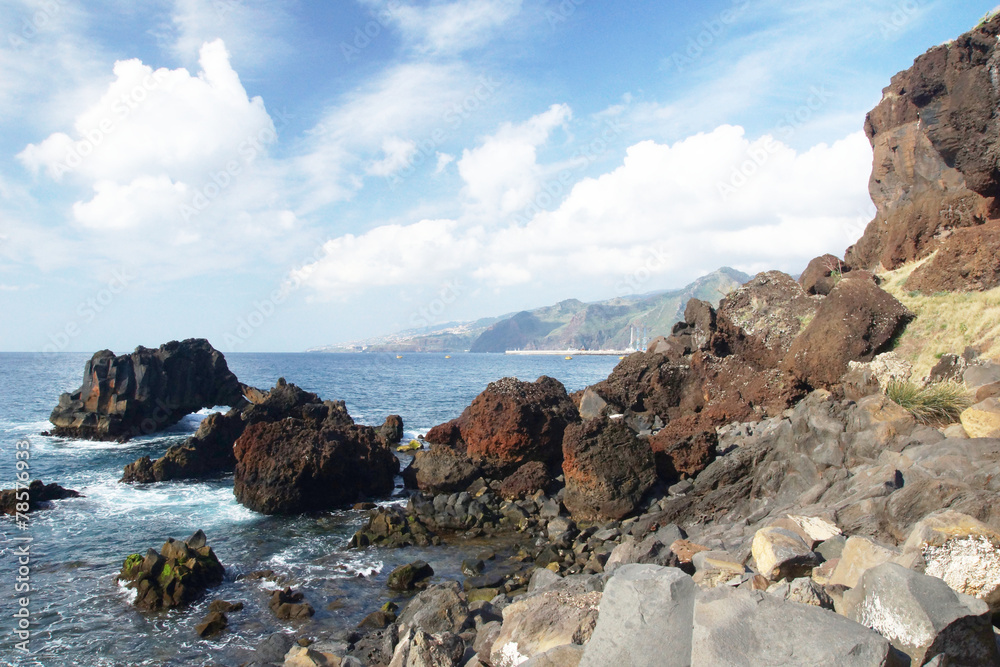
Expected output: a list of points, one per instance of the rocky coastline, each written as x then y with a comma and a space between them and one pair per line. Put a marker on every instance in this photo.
745, 492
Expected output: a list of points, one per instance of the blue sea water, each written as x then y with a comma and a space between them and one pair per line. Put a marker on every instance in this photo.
80, 616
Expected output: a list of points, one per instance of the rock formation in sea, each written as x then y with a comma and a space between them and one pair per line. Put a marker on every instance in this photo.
35, 496
147, 391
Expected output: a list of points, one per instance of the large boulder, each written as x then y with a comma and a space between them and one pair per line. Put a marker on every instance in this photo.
38, 495
440, 608
440, 469
734, 628
208, 452
510, 423
923, 617
607, 470
175, 576
146, 391
934, 137
316, 461
646, 619
854, 323
822, 274
541, 621
416, 648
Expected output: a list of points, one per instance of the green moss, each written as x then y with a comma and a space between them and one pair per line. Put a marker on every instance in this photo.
167, 572
132, 562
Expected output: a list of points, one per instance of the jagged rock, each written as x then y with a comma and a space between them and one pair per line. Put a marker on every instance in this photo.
288, 604
319, 461
391, 431
982, 420
531, 477
714, 568
592, 406
853, 323
607, 470
176, 576
803, 591
647, 616
225, 606
736, 627
510, 423
922, 616
440, 469
146, 391
782, 554
656, 549
822, 274
965, 262
392, 527
537, 622
410, 576
934, 137
39, 496
416, 648
214, 623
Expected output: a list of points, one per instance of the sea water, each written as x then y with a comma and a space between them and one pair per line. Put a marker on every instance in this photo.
78, 613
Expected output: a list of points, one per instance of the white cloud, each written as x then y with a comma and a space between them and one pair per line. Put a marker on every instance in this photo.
251, 28
443, 160
450, 27
398, 153
502, 175
668, 212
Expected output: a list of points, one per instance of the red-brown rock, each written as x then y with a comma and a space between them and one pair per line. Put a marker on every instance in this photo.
822, 274
965, 262
531, 477
510, 423
854, 323
607, 469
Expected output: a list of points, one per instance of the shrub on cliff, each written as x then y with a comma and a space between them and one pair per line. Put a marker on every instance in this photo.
933, 404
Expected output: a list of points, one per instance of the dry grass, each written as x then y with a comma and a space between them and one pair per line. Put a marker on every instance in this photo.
936, 404
946, 322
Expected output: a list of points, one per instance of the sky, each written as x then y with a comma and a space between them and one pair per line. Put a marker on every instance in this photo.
279, 175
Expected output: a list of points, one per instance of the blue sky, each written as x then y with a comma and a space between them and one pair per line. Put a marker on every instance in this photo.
280, 175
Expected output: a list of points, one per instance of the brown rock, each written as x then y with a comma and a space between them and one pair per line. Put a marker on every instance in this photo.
290, 605
440, 469
510, 423
965, 262
822, 274
37, 496
607, 470
526, 480
854, 323
175, 576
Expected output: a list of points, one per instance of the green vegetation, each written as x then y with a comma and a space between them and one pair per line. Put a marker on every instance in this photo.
132, 561
935, 404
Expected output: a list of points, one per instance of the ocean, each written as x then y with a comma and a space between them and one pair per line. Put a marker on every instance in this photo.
80, 616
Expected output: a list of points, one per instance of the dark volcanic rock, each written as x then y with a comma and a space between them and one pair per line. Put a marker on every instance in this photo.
510, 423
392, 430
411, 576
531, 477
316, 461
290, 605
965, 262
214, 623
854, 323
37, 496
440, 469
392, 527
146, 391
935, 140
607, 468
178, 575
208, 452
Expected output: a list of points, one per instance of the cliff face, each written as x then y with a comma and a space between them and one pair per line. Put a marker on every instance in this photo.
934, 135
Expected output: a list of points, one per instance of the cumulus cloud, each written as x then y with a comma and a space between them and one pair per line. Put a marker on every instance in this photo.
668, 212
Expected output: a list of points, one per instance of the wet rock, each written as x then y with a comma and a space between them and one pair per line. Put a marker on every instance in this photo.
391, 431
392, 527
318, 462
213, 624
646, 618
175, 576
510, 423
38, 495
922, 616
288, 604
147, 391
607, 470
410, 576
225, 606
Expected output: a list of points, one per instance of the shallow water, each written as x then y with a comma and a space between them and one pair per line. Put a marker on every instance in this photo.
80, 616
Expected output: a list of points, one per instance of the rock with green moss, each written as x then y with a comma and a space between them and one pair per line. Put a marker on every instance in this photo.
393, 527
175, 576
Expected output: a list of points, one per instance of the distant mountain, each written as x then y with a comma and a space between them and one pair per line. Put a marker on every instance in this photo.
570, 324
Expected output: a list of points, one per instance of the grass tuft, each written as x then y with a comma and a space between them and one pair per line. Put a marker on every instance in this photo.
935, 404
